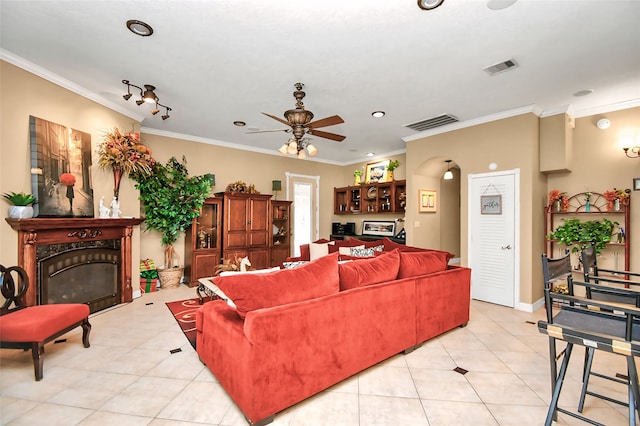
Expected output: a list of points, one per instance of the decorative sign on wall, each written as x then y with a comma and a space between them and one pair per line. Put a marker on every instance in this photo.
491, 204
60, 170
427, 201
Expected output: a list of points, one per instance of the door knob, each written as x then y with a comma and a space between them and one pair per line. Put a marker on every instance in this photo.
507, 247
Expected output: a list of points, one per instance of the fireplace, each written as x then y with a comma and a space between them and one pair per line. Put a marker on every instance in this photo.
76, 260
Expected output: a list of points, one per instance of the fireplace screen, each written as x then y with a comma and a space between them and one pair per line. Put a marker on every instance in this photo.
82, 275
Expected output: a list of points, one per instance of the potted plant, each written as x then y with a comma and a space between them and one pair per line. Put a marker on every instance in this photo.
393, 164
576, 234
171, 200
357, 174
21, 205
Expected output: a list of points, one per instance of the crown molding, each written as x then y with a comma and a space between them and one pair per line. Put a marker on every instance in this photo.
19, 62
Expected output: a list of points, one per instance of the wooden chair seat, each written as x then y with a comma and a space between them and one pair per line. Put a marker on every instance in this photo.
31, 327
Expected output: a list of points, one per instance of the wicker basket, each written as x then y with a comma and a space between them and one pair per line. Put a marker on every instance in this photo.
170, 278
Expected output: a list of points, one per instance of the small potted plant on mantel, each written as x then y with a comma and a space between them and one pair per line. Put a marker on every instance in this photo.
171, 200
21, 205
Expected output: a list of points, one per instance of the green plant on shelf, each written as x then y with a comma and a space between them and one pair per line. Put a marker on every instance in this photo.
577, 234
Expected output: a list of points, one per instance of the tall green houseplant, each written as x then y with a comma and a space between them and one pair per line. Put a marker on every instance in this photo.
171, 200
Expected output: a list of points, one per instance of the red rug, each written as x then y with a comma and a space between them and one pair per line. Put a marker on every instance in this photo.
184, 311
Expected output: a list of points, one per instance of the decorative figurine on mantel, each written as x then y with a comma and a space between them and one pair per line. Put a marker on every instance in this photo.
115, 208
104, 211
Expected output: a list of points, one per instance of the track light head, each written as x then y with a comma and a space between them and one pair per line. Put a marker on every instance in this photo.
155, 111
149, 95
139, 102
127, 96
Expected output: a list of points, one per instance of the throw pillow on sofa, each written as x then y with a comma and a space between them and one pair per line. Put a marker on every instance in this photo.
422, 262
317, 250
369, 271
315, 279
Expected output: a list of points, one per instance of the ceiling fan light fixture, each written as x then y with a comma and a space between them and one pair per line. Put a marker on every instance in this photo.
301, 154
284, 149
292, 148
429, 4
312, 150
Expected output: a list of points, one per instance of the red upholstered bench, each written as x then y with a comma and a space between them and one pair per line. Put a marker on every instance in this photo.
31, 327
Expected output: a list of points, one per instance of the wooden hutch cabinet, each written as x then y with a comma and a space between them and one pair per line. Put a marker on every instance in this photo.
247, 227
203, 242
280, 231
382, 197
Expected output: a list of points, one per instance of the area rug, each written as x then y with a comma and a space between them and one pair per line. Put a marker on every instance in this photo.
184, 311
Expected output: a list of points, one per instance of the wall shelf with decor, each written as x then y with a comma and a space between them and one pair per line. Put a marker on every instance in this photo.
382, 197
203, 242
587, 208
280, 231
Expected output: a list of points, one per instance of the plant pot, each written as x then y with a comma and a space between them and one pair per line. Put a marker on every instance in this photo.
170, 278
21, 212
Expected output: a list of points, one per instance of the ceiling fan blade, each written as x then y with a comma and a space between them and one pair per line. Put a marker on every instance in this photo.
274, 130
324, 122
285, 122
326, 135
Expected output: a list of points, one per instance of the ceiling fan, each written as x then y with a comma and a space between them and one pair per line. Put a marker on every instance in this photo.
299, 121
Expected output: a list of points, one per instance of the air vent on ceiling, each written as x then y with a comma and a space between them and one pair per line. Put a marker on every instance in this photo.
501, 67
432, 123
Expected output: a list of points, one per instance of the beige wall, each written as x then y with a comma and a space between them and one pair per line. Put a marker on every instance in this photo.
597, 162
24, 94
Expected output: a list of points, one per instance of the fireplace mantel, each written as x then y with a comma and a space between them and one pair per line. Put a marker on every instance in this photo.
45, 231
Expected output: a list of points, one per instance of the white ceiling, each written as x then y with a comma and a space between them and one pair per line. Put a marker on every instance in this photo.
214, 62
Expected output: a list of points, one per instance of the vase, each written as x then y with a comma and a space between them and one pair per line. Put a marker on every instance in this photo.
20, 212
389, 175
616, 205
117, 177
558, 205
356, 181
587, 207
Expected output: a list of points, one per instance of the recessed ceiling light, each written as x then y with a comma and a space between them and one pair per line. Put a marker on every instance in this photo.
377, 114
429, 4
239, 123
140, 28
370, 154
583, 92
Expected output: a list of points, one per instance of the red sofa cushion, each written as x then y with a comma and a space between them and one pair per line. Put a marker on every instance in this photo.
360, 273
314, 279
37, 323
423, 262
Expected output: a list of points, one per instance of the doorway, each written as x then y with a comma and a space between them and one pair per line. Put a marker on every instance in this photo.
494, 200
303, 190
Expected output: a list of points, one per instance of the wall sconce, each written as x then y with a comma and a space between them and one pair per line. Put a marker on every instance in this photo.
296, 147
146, 96
276, 186
448, 175
429, 4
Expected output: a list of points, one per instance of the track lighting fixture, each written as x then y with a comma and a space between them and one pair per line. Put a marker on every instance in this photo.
296, 147
147, 95
448, 175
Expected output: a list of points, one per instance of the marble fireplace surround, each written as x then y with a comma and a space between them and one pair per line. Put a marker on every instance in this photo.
47, 231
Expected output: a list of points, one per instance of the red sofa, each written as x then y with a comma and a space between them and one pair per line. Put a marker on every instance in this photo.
294, 333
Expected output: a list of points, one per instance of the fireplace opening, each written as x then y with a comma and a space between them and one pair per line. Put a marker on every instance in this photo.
75, 273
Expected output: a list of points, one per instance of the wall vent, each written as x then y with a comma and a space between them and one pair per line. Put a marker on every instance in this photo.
432, 123
501, 67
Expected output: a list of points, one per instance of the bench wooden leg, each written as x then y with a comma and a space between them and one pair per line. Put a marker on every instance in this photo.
86, 329
37, 352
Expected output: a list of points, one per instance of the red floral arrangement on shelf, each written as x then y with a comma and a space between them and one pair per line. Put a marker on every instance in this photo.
555, 195
622, 195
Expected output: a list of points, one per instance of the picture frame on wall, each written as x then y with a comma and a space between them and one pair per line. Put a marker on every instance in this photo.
60, 170
491, 204
427, 201
382, 228
636, 184
376, 172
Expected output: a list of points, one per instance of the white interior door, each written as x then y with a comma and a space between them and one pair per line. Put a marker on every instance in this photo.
303, 191
493, 237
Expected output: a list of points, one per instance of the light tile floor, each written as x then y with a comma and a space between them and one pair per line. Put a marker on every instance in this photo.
129, 377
